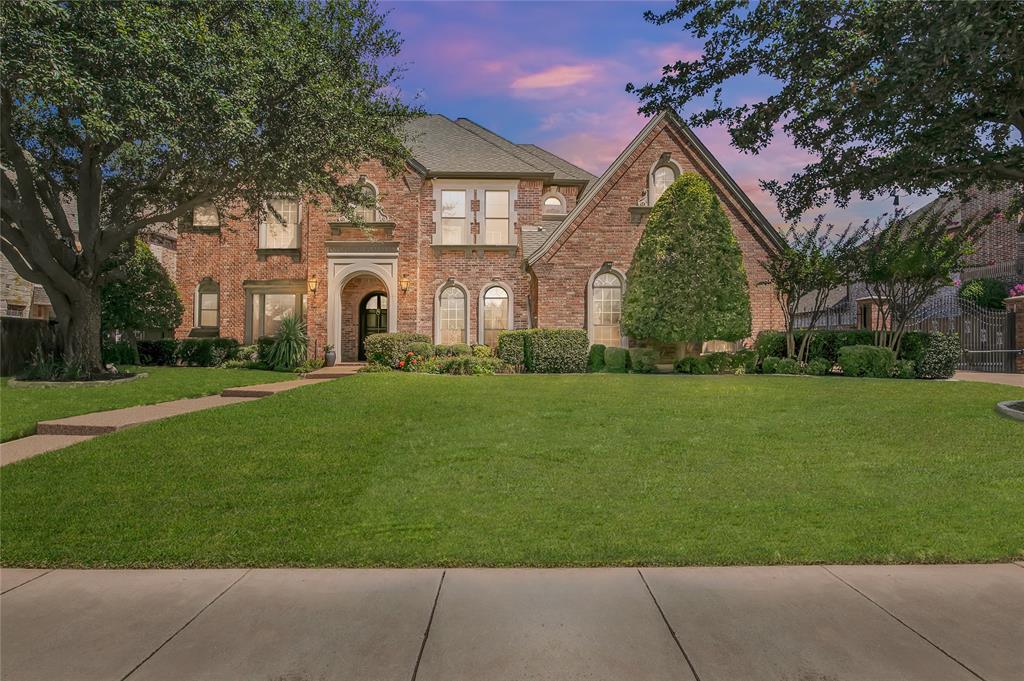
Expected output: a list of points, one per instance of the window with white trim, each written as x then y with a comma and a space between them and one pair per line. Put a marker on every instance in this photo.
553, 206
453, 216
208, 308
496, 216
495, 314
606, 310
452, 316
280, 228
661, 179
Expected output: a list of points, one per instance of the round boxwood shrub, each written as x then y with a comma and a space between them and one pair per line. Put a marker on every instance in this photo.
691, 365
866, 360
482, 351
787, 365
902, 368
819, 366
389, 348
986, 293
719, 362
424, 350
770, 364
595, 362
616, 360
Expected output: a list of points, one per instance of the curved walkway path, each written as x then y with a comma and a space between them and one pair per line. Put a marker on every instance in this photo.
849, 623
60, 433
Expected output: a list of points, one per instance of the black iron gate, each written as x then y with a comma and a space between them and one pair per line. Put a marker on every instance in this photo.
986, 336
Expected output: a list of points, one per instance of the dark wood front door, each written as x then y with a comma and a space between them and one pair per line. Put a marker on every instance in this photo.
373, 318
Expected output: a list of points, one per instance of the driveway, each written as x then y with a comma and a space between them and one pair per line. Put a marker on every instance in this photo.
872, 623
988, 377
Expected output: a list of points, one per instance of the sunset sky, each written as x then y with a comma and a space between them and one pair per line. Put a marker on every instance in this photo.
554, 74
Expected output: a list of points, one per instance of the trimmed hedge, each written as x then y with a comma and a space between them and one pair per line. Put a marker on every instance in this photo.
206, 352
819, 366
903, 368
616, 360
557, 351
120, 352
512, 348
692, 365
424, 350
642, 360
158, 352
389, 348
596, 359
866, 360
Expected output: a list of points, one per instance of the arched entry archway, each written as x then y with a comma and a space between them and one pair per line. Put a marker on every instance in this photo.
373, 318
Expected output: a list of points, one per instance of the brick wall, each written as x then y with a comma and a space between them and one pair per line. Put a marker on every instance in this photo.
604, 232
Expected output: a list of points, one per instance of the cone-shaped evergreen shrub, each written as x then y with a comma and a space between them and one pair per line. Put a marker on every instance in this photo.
687, 281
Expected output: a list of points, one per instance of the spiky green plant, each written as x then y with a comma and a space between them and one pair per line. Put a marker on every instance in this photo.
289, 348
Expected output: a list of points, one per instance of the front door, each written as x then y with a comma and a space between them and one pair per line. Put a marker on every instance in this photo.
373, 318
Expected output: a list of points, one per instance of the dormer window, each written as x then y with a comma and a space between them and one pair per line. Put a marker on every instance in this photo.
662, 178
553, 205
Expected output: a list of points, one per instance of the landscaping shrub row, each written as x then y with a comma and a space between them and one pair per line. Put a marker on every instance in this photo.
545, 351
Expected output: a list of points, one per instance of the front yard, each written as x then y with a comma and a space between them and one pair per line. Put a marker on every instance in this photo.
414, 470
22, 408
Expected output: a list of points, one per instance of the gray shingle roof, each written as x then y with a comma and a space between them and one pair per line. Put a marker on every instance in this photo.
444, 147
533, 239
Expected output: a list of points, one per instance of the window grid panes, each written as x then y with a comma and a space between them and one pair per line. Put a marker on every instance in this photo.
495, 314
553, 204
606, 310
663, 177
281, 228
452, 316
208, 303
496, 211
453, 216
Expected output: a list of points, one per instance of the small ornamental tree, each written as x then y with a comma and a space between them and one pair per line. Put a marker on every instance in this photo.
907, 259
803, 274
142, 297
687, 282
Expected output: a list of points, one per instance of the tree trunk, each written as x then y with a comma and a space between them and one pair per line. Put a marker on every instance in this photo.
80, 333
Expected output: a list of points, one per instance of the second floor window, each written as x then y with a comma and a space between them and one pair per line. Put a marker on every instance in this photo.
280, 228
553, 206
453, 216
496, 217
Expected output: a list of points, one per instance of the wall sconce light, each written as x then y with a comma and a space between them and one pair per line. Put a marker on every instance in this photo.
312, 284
403, 284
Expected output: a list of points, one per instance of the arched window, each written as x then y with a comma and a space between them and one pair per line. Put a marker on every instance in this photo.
367, 213
606, 310
208, 304
661, 178
553, 205
495, 314
452, 316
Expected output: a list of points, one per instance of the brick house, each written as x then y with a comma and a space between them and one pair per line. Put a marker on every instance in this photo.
478, 234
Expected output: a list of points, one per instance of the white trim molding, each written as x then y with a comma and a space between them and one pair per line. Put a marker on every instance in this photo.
342, 267
604, 269
450, 282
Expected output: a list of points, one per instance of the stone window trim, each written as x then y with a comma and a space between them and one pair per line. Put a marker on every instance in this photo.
206, 286
254, 288
606, 268
451, 282
261, 251
664, 161
494, 283
475, 191
205, 224
554, 194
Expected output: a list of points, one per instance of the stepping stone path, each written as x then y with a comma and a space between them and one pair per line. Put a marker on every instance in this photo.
60, 433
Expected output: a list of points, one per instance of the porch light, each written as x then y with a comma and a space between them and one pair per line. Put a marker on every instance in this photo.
403, 283
312, 284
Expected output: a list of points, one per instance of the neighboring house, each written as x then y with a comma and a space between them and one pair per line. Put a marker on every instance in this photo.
477, 235
21, 298
998, 254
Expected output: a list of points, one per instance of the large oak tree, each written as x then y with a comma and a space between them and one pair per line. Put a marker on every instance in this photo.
888, 95
136, 112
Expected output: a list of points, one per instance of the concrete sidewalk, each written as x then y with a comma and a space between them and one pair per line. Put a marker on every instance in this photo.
990, 377
873, 623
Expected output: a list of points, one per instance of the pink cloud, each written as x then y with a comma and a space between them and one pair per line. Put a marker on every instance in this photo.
556, 76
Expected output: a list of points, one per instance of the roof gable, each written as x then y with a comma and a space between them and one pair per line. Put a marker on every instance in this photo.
594, 191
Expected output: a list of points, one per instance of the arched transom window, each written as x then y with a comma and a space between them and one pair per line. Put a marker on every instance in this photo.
495, 314
606, 309
553, 205
661, 179
452, 316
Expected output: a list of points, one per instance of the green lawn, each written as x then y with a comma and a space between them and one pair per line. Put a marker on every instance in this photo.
21, 408
417, 470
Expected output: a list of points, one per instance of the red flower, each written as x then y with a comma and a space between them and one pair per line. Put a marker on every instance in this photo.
401, 364
414, 361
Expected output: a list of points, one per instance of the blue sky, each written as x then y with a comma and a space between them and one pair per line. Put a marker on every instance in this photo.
554, 74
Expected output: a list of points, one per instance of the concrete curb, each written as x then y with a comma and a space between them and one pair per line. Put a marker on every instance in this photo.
1006, 410
15, 383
